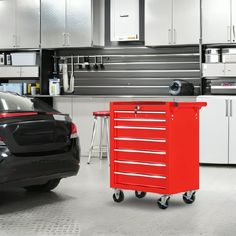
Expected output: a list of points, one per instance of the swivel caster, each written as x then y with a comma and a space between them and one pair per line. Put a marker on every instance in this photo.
189, 197
118, 196
140, 194
163, 202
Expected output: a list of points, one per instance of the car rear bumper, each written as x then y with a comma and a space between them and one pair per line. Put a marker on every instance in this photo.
21, 171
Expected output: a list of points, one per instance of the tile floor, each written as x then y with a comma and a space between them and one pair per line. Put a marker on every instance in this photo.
83, 205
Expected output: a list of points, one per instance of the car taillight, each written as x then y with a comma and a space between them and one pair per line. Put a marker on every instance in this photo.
17, 114
73, 133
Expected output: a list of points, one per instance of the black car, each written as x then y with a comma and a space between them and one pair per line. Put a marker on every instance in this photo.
38, 145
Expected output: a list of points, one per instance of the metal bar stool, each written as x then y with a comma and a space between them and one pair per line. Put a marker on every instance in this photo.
104, 117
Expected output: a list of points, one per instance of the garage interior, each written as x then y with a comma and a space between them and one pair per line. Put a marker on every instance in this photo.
82, 57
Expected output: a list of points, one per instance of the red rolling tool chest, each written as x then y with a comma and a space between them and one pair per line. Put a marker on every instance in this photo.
154, 147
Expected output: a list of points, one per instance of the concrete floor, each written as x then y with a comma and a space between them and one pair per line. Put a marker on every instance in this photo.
83, 205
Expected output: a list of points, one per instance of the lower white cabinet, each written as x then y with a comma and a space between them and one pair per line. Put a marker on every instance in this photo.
218, 130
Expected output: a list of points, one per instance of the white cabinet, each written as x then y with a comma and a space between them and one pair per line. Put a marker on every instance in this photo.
19, 23
218, 130
70, 23
10, 72
29, 72
158, 22
124, 20
219, 69
27, 23
172, 22
232, 130
213, 69
19, 72
217, 22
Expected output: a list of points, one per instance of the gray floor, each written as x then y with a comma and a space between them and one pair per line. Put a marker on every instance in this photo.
83, 205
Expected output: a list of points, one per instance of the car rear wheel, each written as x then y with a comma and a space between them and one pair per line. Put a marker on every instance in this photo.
47, 187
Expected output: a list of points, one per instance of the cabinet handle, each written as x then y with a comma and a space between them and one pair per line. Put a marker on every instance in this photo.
231, 108
228, 33
169, 36
68, 39
174, 37
14, 40
227, 107
64, 39
233, 33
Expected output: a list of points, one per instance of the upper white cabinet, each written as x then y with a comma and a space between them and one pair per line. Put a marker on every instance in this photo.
19, 23
70, 23
172, 22
216, 21
124, 20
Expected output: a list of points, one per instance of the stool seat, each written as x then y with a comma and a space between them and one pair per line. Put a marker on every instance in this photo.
101, 113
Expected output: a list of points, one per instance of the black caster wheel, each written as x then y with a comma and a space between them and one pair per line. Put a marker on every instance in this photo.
163, 202
140, 194
189, 199
119, 197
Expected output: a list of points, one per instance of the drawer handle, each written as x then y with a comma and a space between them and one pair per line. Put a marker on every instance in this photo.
142, 140
140, 151
138, 127
140, 175
142, 112
139, 120
140, 163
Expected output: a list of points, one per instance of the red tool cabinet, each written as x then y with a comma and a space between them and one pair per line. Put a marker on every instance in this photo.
154, 147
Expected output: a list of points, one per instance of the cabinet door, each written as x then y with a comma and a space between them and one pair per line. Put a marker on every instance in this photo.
214, 123
233, 32
158, 22
10, 72
186, 21
28, 23
124, 20
7, 24
53, 23
216, 19
230, 69
30, 72
232, 131
79, 23
213, 69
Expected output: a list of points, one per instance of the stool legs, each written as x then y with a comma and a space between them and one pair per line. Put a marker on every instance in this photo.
95, 121
101, 138
104, 128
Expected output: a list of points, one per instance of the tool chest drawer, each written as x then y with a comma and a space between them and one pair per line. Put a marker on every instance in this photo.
141, 180
141, 143
141, 132
141, 167
154, 146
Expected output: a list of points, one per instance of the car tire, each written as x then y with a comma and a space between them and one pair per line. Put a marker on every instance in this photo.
47, 187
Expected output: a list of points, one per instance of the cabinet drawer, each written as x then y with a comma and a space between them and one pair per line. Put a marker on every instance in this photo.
213, 69
10, 72
141, 180
140, 114
139, 156
141, 168
30, 72
141, 132
143, 144
140, 122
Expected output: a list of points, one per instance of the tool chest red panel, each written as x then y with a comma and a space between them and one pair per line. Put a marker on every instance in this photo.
154, 146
